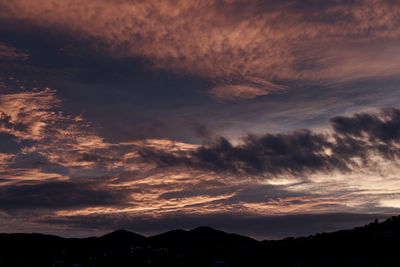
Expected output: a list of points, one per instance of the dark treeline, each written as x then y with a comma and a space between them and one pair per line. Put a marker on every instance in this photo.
375, 244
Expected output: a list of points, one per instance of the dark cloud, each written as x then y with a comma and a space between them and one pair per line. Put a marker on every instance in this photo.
350, 145
8, 143
31, 160
365, 132
8, 52
383, 127
199, 129
35, 160
5, 122
96, 158
269, 153
58, 195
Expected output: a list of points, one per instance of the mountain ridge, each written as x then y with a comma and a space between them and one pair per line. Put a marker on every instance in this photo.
373, 244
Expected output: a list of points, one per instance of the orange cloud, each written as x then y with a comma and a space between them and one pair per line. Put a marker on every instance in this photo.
234, 42
27, 114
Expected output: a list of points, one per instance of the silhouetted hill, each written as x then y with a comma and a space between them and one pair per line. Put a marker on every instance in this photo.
205, 245
375, 244
202, 237
123, 238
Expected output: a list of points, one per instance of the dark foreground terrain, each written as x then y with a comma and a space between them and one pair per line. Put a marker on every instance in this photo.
376, 244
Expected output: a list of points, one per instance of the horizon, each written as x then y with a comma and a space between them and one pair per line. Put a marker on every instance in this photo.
264, 118
196, 228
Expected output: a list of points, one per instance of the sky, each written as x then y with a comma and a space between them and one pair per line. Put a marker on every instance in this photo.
264, 118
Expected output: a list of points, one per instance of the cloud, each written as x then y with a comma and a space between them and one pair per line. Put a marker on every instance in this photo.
59, 195
8, 52
55, 165
383, 127
28, 114
245, 89
351, 144
199, 129
9, 143
34, 120
47, 150
248, 48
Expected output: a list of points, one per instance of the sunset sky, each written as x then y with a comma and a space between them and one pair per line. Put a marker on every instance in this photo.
267, 118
